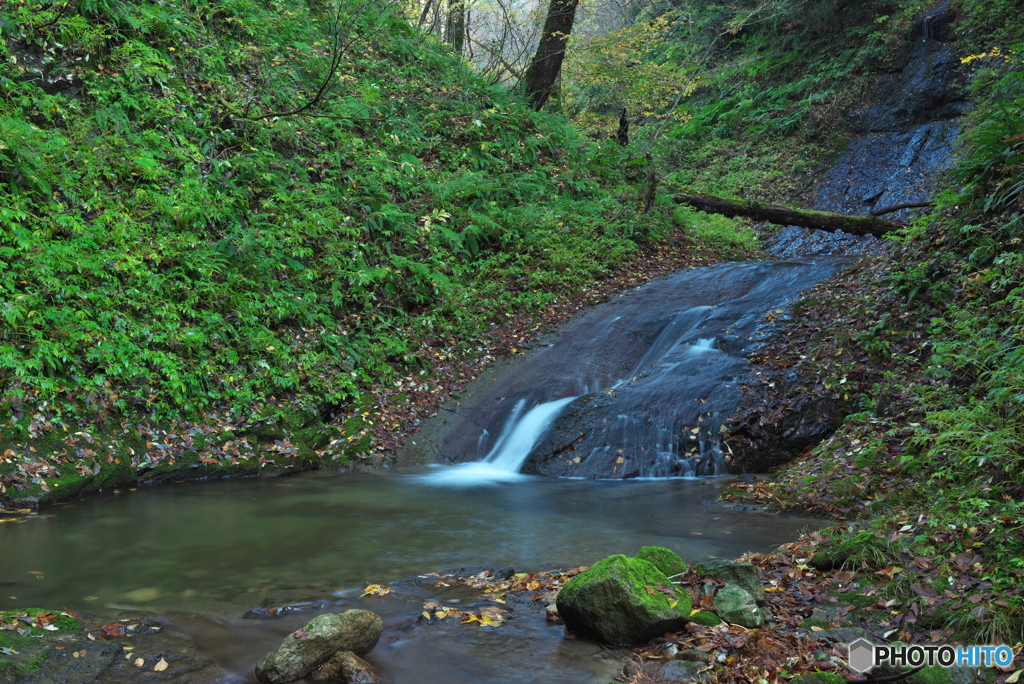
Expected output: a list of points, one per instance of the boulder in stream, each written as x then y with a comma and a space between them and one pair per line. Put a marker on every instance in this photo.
306, 649
623, 601
346, 666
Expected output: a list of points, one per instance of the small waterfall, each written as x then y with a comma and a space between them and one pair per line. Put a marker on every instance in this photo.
656, 372
519, 435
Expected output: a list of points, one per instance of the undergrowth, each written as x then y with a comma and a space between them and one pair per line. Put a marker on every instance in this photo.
238, 205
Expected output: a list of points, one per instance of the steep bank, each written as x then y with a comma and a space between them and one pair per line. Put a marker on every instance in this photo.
228, 229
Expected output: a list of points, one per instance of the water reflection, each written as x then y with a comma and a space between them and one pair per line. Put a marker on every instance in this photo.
225, 547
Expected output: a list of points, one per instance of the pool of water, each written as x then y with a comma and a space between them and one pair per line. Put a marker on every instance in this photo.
205, 553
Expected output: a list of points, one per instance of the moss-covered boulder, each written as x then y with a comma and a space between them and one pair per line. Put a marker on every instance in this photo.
623, 601
664, 559
706, 618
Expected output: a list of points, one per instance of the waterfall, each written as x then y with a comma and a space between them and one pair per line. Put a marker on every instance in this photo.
519, 435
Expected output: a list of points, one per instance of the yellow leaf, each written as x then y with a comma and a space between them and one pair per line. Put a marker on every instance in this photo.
139, 662
441, 614
816, 628
161, 666
426, 614
620, 460
376, 590
694, 612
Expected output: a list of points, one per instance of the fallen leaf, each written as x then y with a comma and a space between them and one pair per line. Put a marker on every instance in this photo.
161, 666
376, 590
139, 662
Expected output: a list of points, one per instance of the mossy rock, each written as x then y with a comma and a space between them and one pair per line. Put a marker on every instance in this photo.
618, 601
742, 575
706, 618
664, 559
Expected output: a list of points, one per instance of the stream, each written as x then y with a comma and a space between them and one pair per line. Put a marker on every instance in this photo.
200, 555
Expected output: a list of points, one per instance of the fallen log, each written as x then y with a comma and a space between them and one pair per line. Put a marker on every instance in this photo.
787, 216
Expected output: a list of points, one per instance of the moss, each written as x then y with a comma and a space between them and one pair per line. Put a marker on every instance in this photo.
851, 551
811, 622
32, 648
618, 601
933, 674
861, 600
706, 618
663, 559
818, 678
633, 572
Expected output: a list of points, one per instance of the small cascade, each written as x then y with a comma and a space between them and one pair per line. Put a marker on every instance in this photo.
519, 435
638, 387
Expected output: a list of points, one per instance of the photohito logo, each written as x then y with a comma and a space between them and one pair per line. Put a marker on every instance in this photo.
864, 655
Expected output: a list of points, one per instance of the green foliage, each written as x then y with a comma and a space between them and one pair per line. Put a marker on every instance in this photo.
171, 247
734, 235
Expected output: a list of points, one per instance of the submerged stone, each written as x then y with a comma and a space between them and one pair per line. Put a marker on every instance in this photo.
618, 601
346, 666
306, 649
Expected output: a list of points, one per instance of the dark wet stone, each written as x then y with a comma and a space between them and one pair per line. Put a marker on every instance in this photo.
347, 667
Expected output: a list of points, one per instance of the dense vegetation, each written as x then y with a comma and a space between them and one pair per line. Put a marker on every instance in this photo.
263, 210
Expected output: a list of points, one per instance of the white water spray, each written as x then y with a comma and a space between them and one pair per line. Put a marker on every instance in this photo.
518, 437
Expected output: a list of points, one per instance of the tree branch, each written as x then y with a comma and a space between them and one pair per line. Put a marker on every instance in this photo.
787, 216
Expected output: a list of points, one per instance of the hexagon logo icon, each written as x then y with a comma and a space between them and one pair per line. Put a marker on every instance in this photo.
861, 655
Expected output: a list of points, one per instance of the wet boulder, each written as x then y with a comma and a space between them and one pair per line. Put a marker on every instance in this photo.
346, 666
737, 606
623, 601
306, 649
743, 600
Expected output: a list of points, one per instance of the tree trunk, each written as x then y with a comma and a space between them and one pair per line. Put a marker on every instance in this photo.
787, 216
543, 71
455, 27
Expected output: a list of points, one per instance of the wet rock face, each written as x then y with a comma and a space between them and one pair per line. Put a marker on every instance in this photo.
761, 438
930, 87
907, 130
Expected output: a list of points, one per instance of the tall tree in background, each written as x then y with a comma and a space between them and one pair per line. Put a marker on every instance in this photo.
542, 74
455, 26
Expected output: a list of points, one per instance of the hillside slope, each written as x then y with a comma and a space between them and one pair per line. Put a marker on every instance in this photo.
255, 213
